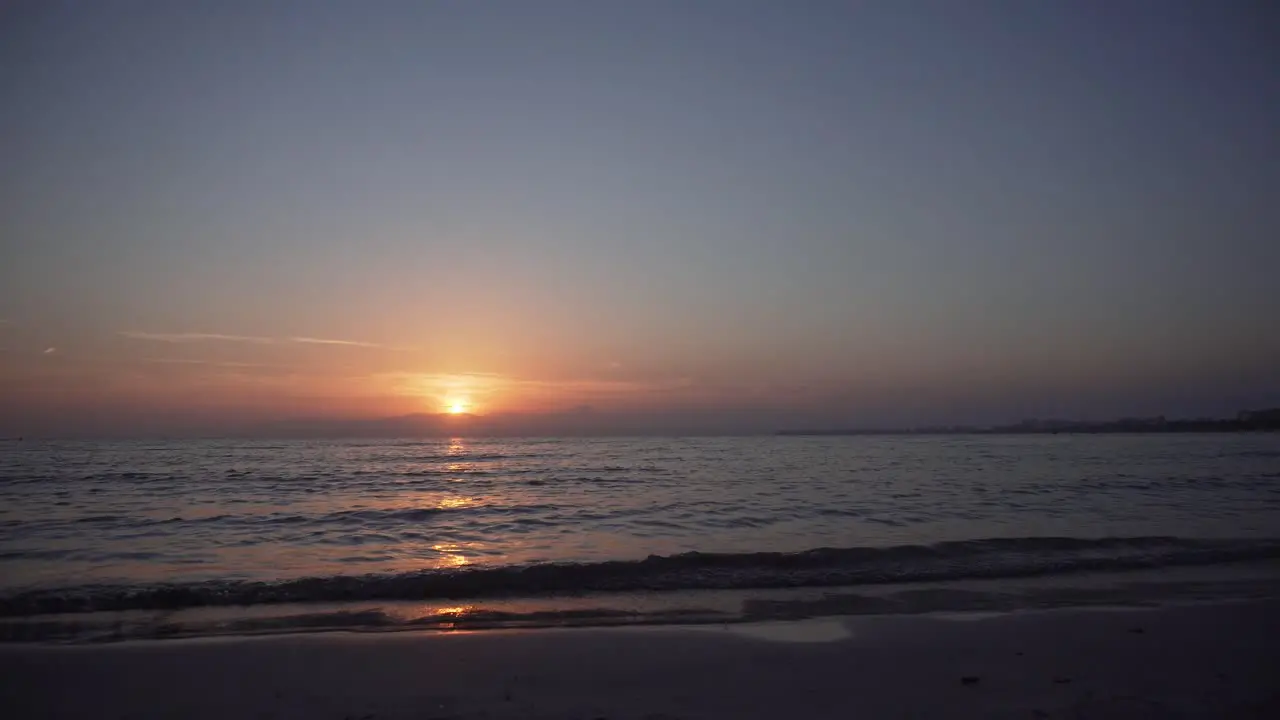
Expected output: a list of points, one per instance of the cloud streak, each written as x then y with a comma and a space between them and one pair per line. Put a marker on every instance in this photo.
194, 337
207, 363
488, 392
329, 341
250, 339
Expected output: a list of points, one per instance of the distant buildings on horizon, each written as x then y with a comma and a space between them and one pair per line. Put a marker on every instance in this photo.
1244, 421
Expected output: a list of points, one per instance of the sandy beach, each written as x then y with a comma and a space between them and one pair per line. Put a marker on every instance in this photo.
1211, 661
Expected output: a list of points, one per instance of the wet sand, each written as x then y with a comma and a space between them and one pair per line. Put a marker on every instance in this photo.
1210, 661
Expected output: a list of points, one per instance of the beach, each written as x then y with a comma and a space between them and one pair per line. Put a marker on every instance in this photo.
1216, 660
640, 578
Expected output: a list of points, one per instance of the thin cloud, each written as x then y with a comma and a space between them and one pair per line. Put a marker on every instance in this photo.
481, 387
50, 351
195, 337
329, 341
190, 337
207, 363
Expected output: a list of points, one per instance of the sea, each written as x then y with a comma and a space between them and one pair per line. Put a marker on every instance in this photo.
120, 540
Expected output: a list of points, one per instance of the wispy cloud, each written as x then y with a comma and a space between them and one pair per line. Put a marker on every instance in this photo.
190, 337
195, 337
207, 363
487, 390
330, 341
50, 350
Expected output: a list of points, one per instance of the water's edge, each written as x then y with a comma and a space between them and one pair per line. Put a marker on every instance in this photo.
1131, 589
821, 567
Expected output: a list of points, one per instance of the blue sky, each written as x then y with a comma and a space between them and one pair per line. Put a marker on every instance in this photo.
833, 212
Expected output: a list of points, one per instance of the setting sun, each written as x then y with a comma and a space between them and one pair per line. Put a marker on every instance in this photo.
456, 407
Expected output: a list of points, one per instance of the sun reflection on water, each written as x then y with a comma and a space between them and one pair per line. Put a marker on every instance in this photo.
451, 556
460, 468
445, 616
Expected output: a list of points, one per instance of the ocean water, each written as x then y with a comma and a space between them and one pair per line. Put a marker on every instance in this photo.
93, 527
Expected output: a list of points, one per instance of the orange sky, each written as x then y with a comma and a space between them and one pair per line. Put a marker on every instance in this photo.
239, 379
146, 382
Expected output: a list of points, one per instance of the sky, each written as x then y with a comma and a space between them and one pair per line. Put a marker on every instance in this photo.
659, 216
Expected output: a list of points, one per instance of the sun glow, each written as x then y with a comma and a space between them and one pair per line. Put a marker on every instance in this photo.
456, 407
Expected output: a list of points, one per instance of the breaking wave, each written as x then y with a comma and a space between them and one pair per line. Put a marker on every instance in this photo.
820, 567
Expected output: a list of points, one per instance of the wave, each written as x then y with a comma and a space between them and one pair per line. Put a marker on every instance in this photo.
390, 517
820, 567
466, 457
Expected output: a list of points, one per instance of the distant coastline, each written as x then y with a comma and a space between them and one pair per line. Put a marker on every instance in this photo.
1245, 421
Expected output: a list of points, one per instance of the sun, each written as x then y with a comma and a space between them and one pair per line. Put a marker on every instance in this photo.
456, 407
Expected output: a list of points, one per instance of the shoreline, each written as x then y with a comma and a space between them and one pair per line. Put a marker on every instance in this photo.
999, 558
1205, 660
1143, 588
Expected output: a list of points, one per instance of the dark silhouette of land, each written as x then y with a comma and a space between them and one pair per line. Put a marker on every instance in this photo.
1244, 421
